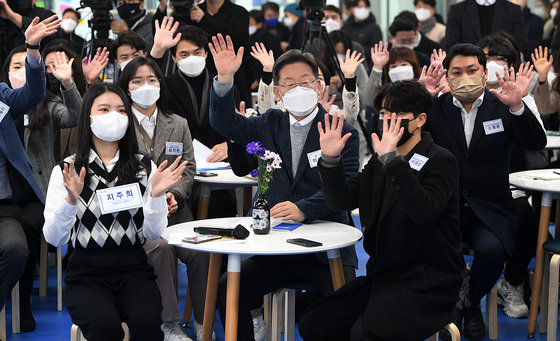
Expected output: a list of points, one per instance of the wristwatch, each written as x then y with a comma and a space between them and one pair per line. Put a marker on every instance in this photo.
31, 47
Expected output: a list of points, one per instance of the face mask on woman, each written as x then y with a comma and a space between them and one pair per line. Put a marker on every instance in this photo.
401, 73
494, 67
17, 78
145, 96
109, 127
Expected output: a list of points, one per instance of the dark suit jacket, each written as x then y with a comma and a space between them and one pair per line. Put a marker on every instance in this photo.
272, 129
410, 220
463, 23
484, 165
20, 101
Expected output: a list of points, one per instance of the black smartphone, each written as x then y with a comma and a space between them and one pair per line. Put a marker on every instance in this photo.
206, 174
304, 242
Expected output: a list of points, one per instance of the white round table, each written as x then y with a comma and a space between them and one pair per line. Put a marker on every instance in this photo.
225, 179
547, 182
332, 235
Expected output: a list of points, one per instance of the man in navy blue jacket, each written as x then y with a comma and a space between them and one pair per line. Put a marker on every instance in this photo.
295, 192
15, 167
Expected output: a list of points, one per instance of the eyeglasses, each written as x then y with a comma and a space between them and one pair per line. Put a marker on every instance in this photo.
496, 58
136, 83
305, 83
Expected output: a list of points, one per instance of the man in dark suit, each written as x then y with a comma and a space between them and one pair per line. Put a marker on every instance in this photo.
480, 128
471, 20
18, 185
295, 192
409, 209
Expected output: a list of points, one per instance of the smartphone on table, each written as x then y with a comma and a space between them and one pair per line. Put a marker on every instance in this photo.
304, 242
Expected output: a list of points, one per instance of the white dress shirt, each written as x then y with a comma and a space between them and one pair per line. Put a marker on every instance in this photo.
60, 216
306, 120
148, 123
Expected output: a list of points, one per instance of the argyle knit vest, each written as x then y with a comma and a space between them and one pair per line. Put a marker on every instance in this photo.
93, 230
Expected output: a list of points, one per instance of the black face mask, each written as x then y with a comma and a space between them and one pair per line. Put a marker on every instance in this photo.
128, 11
53, 84
404, 124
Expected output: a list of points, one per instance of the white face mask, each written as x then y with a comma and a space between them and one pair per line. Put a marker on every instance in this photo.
109, 127
332, 25
411, 46
192, 66
423, 14
289, 22
361, 13
401, 73
17, 78
553, 12
485, 2
145, 96
123, 64
300, 101
68, 25
252, 30
494, 67
539, 11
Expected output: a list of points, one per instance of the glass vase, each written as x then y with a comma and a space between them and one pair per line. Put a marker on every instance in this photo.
261, 215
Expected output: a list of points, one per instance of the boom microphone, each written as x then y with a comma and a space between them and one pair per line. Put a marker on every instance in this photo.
239, 232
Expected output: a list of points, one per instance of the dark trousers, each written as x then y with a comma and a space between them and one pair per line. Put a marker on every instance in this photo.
489, 255
261, 275
525, 242
32, 221
13, 249
99, 299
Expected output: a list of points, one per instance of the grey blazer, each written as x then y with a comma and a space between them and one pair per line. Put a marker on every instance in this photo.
172, 128
39, 141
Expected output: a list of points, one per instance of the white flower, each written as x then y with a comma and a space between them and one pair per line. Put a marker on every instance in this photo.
268, 168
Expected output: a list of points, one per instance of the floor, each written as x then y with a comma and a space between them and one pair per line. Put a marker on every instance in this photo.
53, 325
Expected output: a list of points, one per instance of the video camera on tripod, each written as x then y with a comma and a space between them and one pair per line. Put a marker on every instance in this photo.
100, 23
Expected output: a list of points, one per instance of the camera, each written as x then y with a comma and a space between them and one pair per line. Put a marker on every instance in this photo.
182, 10
314, 9
97, 4
100, 23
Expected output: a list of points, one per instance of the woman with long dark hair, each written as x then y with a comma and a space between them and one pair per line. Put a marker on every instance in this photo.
108, 279
162, 136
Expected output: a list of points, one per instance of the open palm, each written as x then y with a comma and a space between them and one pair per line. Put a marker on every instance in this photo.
165, 178
93, 68
331, 140
258, 51
511, 91
542, 62
163, 38
380, 55
226, 60
349, 65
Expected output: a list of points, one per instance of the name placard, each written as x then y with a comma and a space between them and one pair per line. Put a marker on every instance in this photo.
120, 198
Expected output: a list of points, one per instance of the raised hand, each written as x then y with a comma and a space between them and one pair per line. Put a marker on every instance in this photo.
392, 134
171, 203
380, 55
36, 31
258, 51
324, 98
542, 62
163, 38
94, 67
524, 78
331, 140
73, 184
165, 178
62, 69
511, 91
431, 78
437, 56
219, 153
226, 60
349, 65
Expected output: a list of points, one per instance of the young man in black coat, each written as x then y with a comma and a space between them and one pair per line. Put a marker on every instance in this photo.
480, 128
409, 209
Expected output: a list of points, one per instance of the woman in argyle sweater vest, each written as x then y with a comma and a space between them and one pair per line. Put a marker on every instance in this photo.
108, 279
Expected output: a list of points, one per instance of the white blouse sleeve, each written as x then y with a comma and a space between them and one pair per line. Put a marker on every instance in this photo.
155, 211
60, 216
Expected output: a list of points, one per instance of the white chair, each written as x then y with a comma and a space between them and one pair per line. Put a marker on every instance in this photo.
453, 331
43, 269
15, 315
76, 333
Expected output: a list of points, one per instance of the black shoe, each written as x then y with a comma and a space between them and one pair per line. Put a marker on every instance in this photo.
474, 324
27, 322
457, 320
